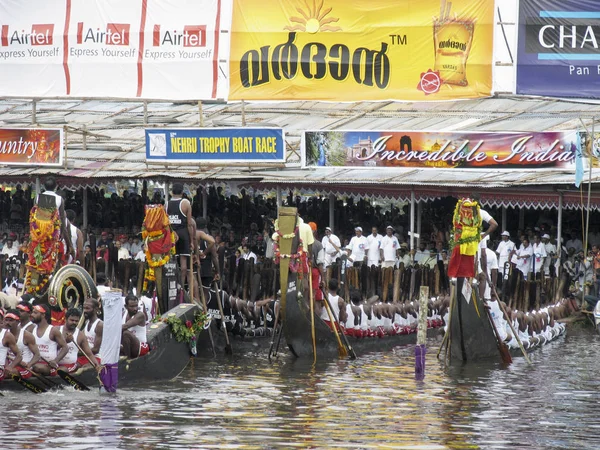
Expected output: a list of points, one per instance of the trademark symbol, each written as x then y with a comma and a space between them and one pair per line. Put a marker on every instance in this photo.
398, 39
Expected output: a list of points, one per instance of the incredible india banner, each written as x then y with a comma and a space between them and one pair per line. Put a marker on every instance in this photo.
415, 149
558, 52
216, 145
168, 49
350, 50
31, 147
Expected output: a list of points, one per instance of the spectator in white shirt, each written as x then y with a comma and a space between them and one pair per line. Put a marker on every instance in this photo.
389, 247
357, 247
374, 242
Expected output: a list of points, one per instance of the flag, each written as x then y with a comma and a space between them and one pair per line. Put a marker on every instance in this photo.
578, 161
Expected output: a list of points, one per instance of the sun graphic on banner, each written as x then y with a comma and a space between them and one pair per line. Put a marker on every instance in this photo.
313, 18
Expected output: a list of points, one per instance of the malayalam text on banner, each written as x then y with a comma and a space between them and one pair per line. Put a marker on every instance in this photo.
31, 146
415, 149
558, 52
216, 145
351, 50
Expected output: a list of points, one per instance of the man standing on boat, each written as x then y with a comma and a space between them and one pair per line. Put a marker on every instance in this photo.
208, 260
179, 210
50, 200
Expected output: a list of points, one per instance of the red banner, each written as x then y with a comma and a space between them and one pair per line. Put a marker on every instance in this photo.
31, 146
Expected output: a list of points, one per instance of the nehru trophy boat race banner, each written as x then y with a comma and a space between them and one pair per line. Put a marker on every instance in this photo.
216, 145
351, 50
31, 147
465, 150
558, 53
166, 49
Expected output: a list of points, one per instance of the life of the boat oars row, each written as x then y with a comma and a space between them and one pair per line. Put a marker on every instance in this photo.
30, 346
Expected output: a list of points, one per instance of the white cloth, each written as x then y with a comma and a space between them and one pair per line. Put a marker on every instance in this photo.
140, 256
374, 243
112, 304
485, 216
358, 247
12, 251
421, 255
123, 253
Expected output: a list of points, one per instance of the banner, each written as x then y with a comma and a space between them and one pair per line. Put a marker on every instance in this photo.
110, 48
216, 145
351, 50
464, 150
558, 52
31, 146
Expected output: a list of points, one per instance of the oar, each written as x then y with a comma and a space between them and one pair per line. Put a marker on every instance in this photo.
50, 383
273, 336
350, 350
343, 353
508, 319
203, 298
92, 363
312, 314
27, 385
228, 349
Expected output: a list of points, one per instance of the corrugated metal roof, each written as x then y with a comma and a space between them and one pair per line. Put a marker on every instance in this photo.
114, 146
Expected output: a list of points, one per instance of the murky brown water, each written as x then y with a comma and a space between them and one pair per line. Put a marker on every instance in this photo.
372, 402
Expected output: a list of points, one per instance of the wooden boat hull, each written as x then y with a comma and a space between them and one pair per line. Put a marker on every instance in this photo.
240, 345
471, 334
166, 360
298, 336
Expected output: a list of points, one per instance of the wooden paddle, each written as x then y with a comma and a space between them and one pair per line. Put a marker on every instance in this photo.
228, 349
312, 314
93, 363
349, 348
205, 308
27, 385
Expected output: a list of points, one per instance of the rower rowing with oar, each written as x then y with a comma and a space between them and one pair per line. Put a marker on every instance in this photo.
7, 342
75, 339
25, 343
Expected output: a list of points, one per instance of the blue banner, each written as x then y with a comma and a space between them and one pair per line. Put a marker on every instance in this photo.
216, 145
558, 53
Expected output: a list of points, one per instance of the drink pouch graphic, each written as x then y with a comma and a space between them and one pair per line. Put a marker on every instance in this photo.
452, 41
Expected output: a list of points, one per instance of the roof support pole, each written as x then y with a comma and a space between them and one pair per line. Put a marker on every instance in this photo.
412, 219
419, 214
559, 226
166, 191
200, 114
243, 113
278, 190
85, 209
204, 202
504, 218
331, 211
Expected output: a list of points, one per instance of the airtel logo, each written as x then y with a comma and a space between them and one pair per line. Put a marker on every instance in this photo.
41, 34
192, 36
115, 34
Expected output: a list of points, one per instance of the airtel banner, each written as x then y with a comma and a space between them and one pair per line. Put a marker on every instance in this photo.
168, 49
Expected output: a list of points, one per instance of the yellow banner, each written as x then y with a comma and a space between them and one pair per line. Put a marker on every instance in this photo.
351, 50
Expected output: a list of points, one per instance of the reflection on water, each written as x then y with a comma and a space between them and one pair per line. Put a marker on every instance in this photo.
372, 402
